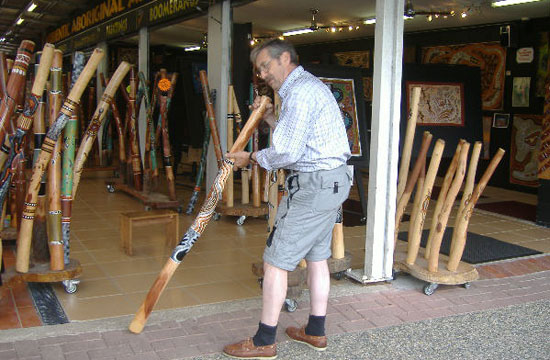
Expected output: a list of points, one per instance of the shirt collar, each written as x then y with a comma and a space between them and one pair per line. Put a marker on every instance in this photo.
295, 74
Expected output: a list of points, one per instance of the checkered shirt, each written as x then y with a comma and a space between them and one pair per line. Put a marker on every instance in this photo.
310, 134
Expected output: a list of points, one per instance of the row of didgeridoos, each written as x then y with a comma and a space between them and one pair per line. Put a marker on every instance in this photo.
42, 209
140, 169
450, 187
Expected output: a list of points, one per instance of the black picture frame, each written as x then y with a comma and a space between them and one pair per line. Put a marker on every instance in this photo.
356, 74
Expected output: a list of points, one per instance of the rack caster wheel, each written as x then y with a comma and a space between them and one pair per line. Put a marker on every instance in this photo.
110, 188
217, 216
429, 289
339, 275
147, 208
70, 286
291, 305
466, 285
180, 209
240, 220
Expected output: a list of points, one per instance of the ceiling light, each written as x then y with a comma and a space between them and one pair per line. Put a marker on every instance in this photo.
369, 21
510, 2
192, 48
20, 21
429, 18
2, 39
405, 17
31, 7
464, 14
297, 32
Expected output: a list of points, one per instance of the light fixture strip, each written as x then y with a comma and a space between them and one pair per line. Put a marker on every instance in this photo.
297, 32
31, 7
511, 2
20, 21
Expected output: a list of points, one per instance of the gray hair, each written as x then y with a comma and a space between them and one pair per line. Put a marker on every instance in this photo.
275, 48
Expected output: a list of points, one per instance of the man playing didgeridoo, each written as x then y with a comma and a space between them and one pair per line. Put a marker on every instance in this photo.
310, 141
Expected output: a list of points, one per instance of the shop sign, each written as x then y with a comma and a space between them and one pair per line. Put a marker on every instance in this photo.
525, 55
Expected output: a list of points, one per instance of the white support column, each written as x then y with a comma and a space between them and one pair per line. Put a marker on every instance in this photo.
143, 66
102, 67
219, 61
384, 150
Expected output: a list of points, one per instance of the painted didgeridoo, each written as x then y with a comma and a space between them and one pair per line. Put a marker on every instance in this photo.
120, 131
53, 220
25, 231
211, 117
24, 121
198, 226
202, 168
95, 123
164, 87
69, 144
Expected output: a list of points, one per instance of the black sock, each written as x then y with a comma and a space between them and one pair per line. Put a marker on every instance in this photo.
316, 325
265, 335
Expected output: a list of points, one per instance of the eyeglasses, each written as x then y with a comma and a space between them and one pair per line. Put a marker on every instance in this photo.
264, 67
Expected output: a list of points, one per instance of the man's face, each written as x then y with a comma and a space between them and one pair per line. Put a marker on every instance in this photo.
271, 70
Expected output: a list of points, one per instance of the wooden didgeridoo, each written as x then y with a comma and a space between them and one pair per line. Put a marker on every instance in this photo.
411, 181
408, 143
55, 238
470, 179
99, 115
443, 216
25, 120
211, 117
230, 119
69, 144
417, 223
3, 76
118, 124
133, 129
198, 226
460, 231
451, 170
256, 201
16, 82
201, 169
166, 148
24, 236
337, 244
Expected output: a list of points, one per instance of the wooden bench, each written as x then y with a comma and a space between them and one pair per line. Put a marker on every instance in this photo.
142, 218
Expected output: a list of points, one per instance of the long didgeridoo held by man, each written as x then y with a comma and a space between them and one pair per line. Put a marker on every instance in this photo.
317, 184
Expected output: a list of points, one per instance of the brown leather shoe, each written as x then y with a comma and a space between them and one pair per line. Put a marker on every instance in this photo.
247, 350
318, 343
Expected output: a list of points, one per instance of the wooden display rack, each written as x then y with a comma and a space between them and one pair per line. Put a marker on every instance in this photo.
42, 273
464, 274
243, 211
151, 200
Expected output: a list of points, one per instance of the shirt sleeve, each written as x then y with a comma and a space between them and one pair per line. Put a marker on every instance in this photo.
291, 133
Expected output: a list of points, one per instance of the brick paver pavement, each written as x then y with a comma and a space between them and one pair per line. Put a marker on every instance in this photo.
208, 333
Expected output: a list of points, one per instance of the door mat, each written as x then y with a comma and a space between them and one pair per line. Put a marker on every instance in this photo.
511, 208
479, 248
46, 303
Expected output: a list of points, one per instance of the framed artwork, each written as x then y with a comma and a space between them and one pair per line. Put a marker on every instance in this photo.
367, 88
524, 150
543, 75
486, 150
346, 84
520, 91
501, 120
450, 104
441, 104
344, 93
360, 59
489, 57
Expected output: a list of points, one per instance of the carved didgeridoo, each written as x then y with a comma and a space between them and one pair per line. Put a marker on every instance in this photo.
198, 226
99, 114
25, 231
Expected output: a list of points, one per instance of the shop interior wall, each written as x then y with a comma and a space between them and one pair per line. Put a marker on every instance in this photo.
523, 34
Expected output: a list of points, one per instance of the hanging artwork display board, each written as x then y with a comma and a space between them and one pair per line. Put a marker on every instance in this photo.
524, 149
346, 84
490, 58
450, 103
